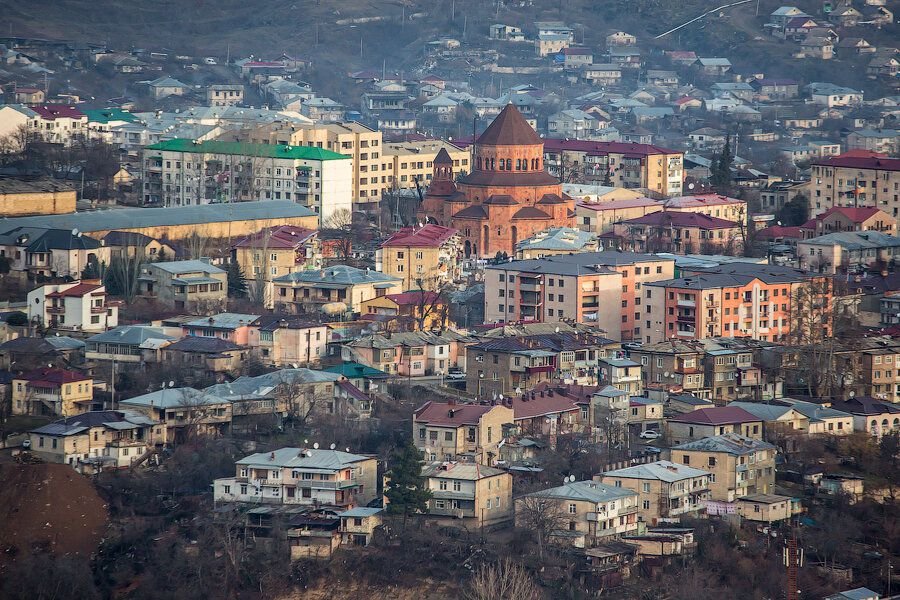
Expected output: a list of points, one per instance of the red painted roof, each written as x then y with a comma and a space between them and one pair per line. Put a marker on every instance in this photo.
53, 377
427, 236
539, 401
577, 51
413, 298
860, 159
76, 291
56, 111
779, 231
682, 219
439, 413
720, 415
701, 200
604, 148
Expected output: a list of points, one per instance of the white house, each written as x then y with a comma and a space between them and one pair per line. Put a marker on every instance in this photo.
80, 305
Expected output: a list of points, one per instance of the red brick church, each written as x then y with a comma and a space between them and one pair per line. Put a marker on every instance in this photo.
506, 198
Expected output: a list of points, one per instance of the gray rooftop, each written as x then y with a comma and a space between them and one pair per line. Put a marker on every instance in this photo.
174, 398
304, 458
731, 443
661, 470
264, 385
764, 412
181, 267
856, 240
576, 264
339, 275
132, 218
130, 334
223, 321
558, 238
589, 491
459, 470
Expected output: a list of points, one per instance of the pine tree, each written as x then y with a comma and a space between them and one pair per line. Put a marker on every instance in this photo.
607, 177
721, 167
407, 493
237, 283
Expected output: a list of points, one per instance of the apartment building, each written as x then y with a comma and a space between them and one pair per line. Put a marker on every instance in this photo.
94, 440
739, 466
52, 391
735, 300
472, 492
183, 413
410, 165
847, 251
58, 123
710, 422
511, 364
425, 257
622, 374
448, 431
128, 344
580, 287
843, 218
275, 252
590, 512
362, 144
405, 312
871, 415
858, 178
665, 490
190, 285
183, 172
656, 169
679, 233
80, 305
285, 340
311, 290
225, 94
302, 476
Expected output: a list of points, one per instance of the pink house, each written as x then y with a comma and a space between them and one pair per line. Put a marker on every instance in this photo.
234, 327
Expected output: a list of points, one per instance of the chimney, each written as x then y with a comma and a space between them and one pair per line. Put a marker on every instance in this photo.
272, 456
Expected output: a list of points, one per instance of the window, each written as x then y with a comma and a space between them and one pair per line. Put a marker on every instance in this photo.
573, 509
646, 487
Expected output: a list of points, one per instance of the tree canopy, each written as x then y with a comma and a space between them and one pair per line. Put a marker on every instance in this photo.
407, 492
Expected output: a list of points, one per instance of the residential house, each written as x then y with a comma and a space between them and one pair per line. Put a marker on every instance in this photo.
682, 403
341, 286
233, 327
817, 47
275, 252
710, 422
589, 512
855, 45
626, 57
165, 86
620, 38
666, 490
190, 285
58, 123
681, 233
860, 593
551, 44
95, 440
575, 58
184, 413
882, 141
303, 476
713, 66
830, 95
128, 244
128, 344
766, 508
847, 251
603, 74
775, 90
556, 241
472, 492
845, 218
646, 413
503, 365
575, 123
822, 419
322, 110
740, 90
779, 421
448, 431
225, 95
663, 79
783, 14
883, 65
409, 311
46, 252
707, 138
559, 288
359, 524
206, 357
284, 340
16, 120
424, 258
363, 377
409, 354
29, 353
739, 466
845, 15
80, 305
549, 410
622, 374
871, 415
510, 33
52, 391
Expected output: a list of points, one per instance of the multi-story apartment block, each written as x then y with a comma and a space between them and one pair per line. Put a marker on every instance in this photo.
856, 178
622, 374
303, 476
192, 285
590, 511
80, 305
709, 422
469, 491
580, 287
665, 490
680, 233
59, 124
52, 391
510, 365
284, 340
656, 169
424, 257
362, 144
739, 466
225, 94
448, 431
183, 172
309, 290
736, 300
275, 252
94, 440
672, 365
408, 165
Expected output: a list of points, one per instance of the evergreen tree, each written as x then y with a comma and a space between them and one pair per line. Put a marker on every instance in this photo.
161, 255
237, 283
93, 269
794, 212
407, 493
607, 177
721, 167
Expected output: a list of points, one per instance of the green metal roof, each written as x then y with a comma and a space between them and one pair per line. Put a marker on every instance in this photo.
105, 115
247, 149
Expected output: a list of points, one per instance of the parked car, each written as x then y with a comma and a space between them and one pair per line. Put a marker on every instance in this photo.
649, 434
455, 373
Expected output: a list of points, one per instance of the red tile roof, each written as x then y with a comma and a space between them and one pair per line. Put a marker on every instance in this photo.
856, 215
720, 415
56, 111
547, 399
856, 159
667, 218
428, 236
282, 237
779, 231
77, 291
509, 129
53, 377
450, 415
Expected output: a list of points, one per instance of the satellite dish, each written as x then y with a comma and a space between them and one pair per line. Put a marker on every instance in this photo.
294, 365
557, 330
666, 374
347, 448
333, 446
501, 397
171, 384
316, 445
75, 231
518, 391
690, 186
305, 441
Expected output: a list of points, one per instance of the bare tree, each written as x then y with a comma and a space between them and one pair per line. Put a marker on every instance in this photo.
433, 302
338, 226
504, 580
542, 514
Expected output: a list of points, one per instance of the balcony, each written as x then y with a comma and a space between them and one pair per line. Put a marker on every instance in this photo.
540, 369
686, 303
56, 310
530, 286
98, 310
327, 485
686, 319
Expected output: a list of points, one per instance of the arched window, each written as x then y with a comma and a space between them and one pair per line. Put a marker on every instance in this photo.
492, 165
501, 165
509, 164
479, 163
518, 164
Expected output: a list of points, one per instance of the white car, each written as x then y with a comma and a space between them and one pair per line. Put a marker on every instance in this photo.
649, 435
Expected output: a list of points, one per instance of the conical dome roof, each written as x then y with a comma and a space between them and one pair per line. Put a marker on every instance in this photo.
509, 129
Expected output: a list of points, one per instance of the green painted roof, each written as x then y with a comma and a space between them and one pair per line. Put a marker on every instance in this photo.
248, 149
105, 115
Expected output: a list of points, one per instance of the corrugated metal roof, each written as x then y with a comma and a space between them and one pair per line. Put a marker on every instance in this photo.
661, 470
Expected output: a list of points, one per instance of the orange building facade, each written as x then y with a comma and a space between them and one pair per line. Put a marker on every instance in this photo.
506, 198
